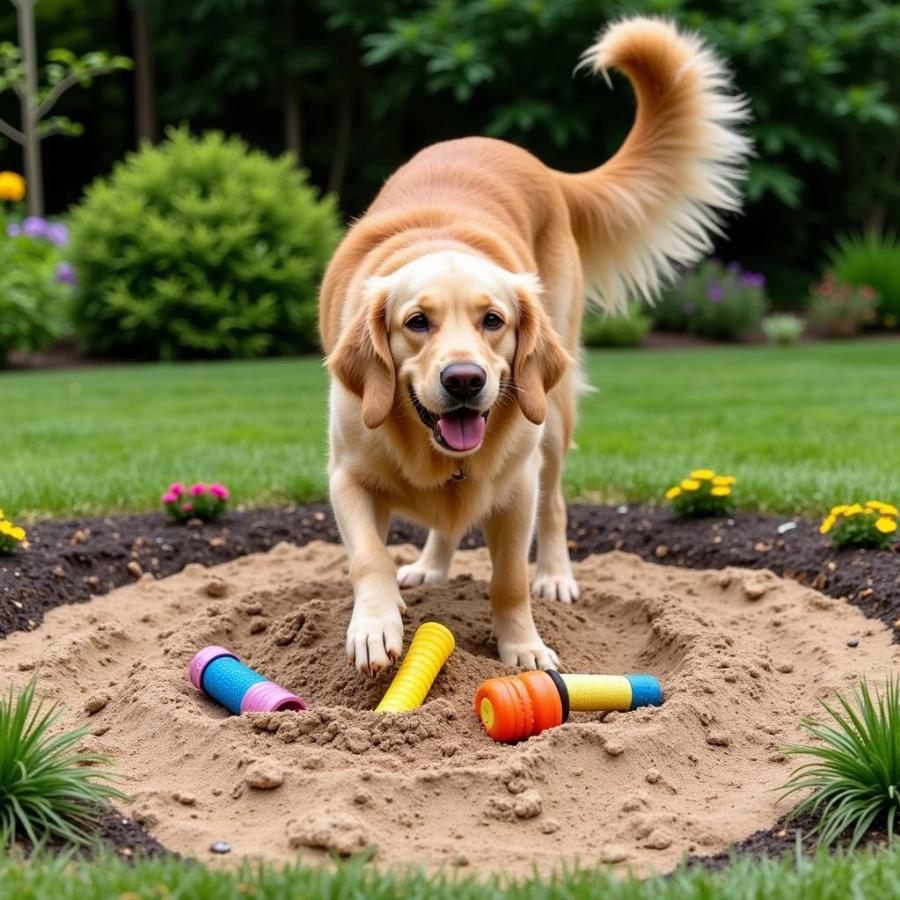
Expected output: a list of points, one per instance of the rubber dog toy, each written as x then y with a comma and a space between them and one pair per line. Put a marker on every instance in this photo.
219, 674
521, 706
430, 647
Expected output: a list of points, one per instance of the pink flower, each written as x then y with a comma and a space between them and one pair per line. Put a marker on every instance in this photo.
219, 490
198, 489
187, 507
176, 488
169, 497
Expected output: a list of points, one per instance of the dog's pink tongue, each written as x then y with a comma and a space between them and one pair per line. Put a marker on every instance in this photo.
462, 430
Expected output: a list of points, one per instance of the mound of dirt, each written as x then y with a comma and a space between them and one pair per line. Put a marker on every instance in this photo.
741, 654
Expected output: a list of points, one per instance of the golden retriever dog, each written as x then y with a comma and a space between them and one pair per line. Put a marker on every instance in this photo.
450, 315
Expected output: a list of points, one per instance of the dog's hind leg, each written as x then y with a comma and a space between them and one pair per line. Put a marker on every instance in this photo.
433, 563
553, 576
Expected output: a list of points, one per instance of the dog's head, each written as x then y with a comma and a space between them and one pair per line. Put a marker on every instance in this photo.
449, 335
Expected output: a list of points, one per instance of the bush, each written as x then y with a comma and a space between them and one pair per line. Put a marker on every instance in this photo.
872, 259
702, 493
714, 301
783, 329
839, 310
199, 501
602, 329
48, 788
200, 247
35, 285
855, 766
855, 525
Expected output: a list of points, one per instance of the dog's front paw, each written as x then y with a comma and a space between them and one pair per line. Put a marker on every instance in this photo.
562, 587
414, 574
530, 653
375, 639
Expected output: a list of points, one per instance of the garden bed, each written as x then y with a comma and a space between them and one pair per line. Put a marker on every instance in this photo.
72, 560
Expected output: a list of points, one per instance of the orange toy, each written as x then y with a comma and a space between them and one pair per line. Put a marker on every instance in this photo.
523, 705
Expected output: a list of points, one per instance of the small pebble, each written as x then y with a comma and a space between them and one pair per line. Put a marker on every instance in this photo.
785, 527
853, 642
96, 702
216, 588
220, 847
134, 567
621, 510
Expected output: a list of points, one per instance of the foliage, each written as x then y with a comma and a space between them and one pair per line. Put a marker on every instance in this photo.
199, 501
702, 493
783, 328
601, 329
35, 284
839, 310
714, 301
200, 247
855, 765
871, 258
48, 787
12, 536
855, 525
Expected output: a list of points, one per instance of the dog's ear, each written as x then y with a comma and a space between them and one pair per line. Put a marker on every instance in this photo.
362, 358
540, 359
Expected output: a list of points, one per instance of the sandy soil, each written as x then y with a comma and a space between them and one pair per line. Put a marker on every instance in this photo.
741, 655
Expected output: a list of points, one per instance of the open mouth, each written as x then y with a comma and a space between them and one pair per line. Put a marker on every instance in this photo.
460, 429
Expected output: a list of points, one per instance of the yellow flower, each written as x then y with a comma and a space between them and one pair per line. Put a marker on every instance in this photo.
853, 510
837, 510
17, 533
5, 527
12, 186
689, 484
886, 509
886, 525
827, 524
673, 492
724, 480
703, 474
720, 490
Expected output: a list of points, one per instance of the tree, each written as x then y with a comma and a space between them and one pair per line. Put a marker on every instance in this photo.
64, 70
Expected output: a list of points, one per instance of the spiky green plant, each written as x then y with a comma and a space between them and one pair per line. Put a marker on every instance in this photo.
49, 789
854, 774
871, 258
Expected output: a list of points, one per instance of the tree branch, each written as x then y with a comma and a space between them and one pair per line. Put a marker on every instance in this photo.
68, 82
12, 133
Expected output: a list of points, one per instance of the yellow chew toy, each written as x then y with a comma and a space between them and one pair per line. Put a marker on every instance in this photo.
430, 647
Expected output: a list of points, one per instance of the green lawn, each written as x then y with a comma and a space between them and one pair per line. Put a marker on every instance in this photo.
802, 428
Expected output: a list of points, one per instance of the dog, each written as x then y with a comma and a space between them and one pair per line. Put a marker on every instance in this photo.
450, 318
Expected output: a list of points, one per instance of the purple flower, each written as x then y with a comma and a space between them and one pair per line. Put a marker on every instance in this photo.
65, 273
13, 230
34, 227
57, 233
753, 279
733, 267
715, 294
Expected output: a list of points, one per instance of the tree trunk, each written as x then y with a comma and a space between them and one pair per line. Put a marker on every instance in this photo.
344, 127
293, 118
32, 146
145, 120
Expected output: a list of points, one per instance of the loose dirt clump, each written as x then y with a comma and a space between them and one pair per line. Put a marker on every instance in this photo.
741, 654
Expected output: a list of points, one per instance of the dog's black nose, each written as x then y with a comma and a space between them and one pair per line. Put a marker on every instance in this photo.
462, 381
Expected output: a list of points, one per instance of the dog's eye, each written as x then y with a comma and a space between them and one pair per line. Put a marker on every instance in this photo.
418, 322
492, 322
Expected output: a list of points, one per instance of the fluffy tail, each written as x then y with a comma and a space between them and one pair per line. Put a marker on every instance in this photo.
652, 207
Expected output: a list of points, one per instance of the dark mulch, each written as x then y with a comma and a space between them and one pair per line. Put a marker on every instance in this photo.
70, 560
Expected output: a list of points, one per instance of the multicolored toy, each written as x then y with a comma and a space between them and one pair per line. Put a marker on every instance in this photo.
430, 647
523, 705
219, 674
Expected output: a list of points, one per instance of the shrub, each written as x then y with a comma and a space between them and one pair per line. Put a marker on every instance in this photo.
35, 284
601, 329
854, 525
200, 247
783, 328
199, 501
839, 310
48, 788
12, 536
702, 493
872, 258
855, 767
714, 301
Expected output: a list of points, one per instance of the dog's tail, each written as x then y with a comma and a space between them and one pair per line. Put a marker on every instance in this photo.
650, 209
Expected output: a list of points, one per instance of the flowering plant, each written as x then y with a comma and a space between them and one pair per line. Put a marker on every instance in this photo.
838, 309
11, 536
702, 493
12, 187
199, 501
854, 525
